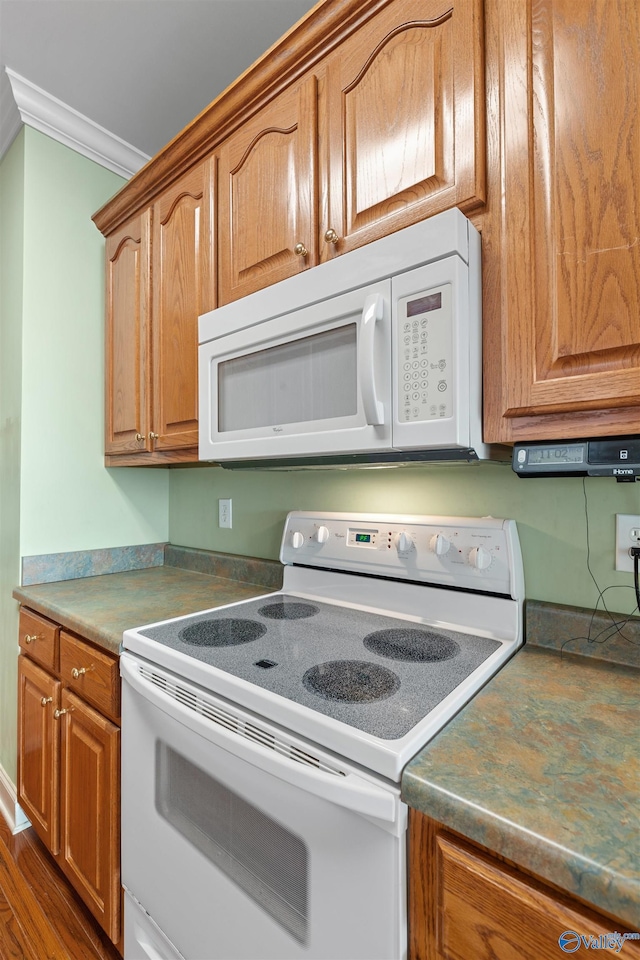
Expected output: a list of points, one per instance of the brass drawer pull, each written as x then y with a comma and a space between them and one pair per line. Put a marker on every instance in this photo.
30, 637
76, 673
59, 713
154, 436
331, 236
139, 437
300, 250
45, 700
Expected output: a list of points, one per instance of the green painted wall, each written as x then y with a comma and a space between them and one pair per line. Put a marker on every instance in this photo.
11, 284
69, 500
56, 494
550, 515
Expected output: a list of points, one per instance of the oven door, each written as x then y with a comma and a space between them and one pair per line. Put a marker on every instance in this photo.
242, 841
313, 381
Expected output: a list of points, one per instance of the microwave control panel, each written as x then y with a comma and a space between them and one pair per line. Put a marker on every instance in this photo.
424, 351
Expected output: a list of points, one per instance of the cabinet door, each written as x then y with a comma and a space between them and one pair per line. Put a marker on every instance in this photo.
561, 248
90, 809
127, 337
464, 903
405, 120
38, 750
267, 195
183, 288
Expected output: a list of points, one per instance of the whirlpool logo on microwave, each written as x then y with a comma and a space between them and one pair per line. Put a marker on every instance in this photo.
571, 942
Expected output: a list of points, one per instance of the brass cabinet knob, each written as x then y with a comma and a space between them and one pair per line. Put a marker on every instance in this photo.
139, 437
331, 236
31, 637
153, 436
300, 250
75, 673
45, 700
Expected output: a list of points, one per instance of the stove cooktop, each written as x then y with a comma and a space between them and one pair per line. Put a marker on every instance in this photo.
385, 627
377, 673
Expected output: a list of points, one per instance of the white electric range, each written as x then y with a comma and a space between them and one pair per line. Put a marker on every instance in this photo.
264, 741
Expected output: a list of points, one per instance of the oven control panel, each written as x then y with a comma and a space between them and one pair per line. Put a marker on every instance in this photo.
463, 552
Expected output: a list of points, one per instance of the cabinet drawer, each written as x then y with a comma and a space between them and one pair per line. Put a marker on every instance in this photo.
92, 673
39, 638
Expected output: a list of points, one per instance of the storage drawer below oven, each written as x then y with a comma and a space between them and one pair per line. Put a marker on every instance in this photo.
234, 861
143, 938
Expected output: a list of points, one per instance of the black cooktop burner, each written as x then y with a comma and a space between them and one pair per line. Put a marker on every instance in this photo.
351, 681
288, 610
417, 646
222, 633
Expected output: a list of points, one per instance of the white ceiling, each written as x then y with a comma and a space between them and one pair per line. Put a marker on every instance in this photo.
142, 69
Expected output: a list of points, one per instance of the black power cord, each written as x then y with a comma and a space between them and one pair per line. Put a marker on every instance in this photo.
615, 626
635, 553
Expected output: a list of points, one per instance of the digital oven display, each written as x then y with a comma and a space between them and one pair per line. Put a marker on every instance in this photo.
362, 538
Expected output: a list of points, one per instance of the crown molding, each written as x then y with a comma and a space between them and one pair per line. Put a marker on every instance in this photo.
43, 112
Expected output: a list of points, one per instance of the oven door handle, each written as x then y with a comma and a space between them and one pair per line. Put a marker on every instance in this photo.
350, 790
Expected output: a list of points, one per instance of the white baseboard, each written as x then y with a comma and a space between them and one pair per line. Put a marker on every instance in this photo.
9, 806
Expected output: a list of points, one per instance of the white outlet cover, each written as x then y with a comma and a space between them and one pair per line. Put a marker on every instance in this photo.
627, 535
224, 513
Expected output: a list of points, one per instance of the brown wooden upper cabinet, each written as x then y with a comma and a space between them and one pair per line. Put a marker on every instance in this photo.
384, 131
160, 278
128, 263
371, 115
267, 194
402, 135
368, 116
561, 234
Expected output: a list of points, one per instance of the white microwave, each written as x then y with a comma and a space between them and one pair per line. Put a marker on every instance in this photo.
374, 356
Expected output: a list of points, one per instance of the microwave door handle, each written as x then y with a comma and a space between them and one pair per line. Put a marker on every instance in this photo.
372, 311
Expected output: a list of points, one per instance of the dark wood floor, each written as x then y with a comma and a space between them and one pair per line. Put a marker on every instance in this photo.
41, 916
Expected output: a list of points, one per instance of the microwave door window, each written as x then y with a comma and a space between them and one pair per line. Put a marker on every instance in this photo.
312, 378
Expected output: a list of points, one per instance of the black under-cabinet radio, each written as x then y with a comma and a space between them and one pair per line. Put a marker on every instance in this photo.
617, 457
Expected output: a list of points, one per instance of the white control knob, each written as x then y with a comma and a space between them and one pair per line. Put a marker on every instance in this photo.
439, 544
480, 558
322, 535
404, 542
297, 540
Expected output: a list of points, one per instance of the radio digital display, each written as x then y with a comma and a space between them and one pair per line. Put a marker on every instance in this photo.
569, 453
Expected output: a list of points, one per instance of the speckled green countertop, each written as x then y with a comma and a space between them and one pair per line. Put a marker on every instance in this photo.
542, 768
100, 608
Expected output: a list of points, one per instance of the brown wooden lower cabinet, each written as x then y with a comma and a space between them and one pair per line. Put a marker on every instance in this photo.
69, 759
466, 904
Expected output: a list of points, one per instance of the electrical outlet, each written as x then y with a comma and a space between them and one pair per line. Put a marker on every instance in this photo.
627, 535
224, 513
